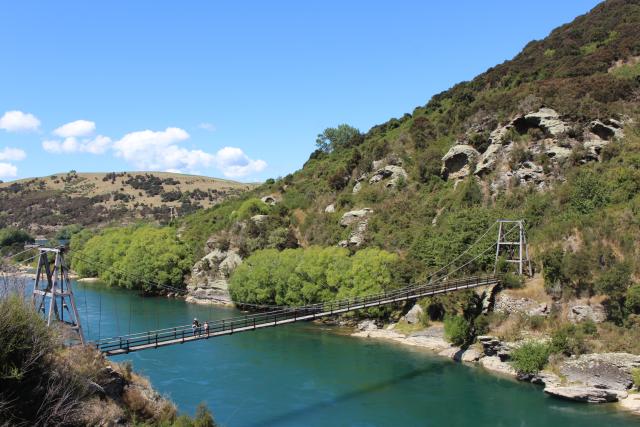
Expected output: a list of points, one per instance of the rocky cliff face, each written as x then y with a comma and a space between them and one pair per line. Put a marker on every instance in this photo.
208, 283
531, 149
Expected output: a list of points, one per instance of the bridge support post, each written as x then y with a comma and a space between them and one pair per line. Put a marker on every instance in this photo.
512, 244
53, 293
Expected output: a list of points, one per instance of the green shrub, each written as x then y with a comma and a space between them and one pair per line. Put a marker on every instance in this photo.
456, 330
568, 340
512, 281
530, 357
635, 374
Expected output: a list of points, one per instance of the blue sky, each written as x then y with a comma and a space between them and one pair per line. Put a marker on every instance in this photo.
232, 89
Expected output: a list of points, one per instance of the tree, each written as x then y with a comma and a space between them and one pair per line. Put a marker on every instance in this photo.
341, 137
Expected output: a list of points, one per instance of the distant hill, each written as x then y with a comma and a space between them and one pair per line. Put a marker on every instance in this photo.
43, 205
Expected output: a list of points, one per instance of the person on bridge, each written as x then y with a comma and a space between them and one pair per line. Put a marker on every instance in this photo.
206, 328
195, 326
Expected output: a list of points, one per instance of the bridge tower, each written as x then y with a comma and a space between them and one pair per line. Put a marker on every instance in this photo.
512, 243
53, 293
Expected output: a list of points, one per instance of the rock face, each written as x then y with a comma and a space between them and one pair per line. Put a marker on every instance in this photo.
354, 216
584, 394
456, 163
209, 277
593, 312
414, 315
358, 233
507, 304
602, 371
495, 364
392, 173
507, 158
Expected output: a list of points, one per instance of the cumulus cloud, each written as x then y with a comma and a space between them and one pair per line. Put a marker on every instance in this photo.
7, 170
234, 163
77, 139
17, 121
12, 154
160, 150
98, 145
76, 129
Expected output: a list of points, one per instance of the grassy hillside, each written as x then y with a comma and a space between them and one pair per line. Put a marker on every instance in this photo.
43, 205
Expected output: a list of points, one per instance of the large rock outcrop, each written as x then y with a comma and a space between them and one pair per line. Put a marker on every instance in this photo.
209, 278
456, 164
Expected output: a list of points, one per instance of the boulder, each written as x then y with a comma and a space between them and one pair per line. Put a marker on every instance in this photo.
593, 312
545, 118
330, 208
488, 159
391, 172
356, 188
454, 353
471, 355
354, 216
530, 172
507, 304
414, 315
492, 346
494, 364
269, 200
584, 394
259, 219
367, 325
556, 152
601, 370
607, 130
594, 147
455, 164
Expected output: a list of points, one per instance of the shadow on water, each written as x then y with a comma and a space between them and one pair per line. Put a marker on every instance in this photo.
308, 410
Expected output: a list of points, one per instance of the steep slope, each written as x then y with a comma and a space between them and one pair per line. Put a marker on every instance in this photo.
550, 136
43, 205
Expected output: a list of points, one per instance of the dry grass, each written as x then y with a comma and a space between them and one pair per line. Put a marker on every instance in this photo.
97, 412
533, 289
92, 184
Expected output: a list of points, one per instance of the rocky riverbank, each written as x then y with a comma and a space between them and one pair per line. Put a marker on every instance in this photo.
591, 378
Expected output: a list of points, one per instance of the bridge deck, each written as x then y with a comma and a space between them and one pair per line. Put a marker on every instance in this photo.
184, 333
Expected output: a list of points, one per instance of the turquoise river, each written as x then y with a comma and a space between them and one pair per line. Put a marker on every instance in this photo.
312, 375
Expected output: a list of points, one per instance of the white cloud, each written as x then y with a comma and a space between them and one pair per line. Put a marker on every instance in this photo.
12, 154
73, 143
149, 149
207, 126
17, 121
97, 145
7, 170
234, 163
160, 150
76, 129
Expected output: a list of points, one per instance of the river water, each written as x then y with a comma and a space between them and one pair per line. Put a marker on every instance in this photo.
310, 375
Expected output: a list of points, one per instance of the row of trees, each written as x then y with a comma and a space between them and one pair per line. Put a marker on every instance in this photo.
132, 257
305, 276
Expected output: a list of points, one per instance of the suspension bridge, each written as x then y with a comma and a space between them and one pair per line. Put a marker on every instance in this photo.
53, 296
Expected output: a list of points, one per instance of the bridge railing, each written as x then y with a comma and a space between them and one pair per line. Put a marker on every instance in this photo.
228, 325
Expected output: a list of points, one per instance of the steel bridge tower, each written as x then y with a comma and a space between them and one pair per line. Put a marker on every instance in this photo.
512, 243
53, 293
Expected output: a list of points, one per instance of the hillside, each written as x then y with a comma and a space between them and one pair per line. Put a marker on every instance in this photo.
43, 205
551, 136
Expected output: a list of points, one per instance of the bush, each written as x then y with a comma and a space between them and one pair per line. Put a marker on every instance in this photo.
512, 281
568, 340
635, 374
456, 330
530, 357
